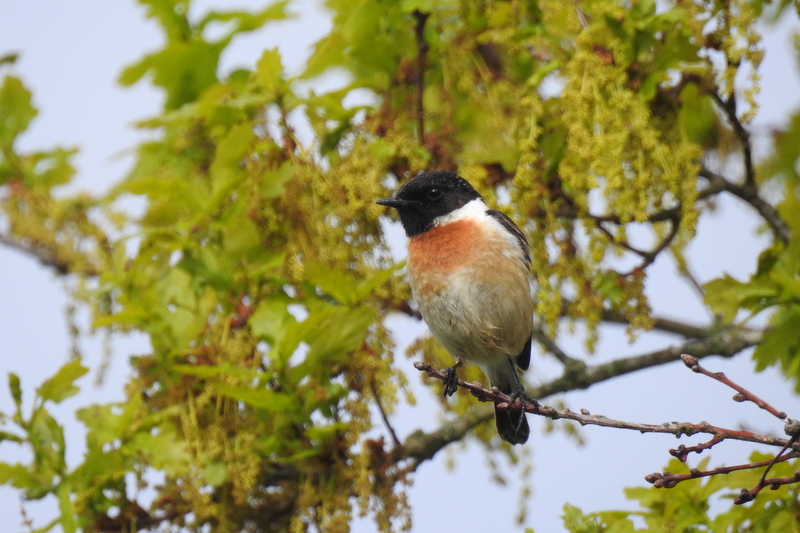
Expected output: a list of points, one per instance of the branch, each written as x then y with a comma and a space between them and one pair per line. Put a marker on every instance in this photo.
725, 342
666, 325
382, 411
749, 193
41, 254
422, 60
584, 418
550, 345
421, 446
570, 211
729, 107
648, 256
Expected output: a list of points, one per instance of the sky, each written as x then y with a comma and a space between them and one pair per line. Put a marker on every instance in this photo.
70, 56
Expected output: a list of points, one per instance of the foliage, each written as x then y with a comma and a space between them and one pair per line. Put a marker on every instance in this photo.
260, 276
685, 508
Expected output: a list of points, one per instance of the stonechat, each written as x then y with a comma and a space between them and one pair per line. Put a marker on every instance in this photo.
469, 269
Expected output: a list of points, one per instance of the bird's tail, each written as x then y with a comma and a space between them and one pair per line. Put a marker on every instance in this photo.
512, 426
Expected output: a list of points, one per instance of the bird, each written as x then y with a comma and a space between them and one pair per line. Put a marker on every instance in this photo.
469, 271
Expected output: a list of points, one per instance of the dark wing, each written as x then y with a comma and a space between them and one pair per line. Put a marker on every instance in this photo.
515, 231
524, 357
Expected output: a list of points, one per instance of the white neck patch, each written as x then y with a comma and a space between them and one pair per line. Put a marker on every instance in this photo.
473, 209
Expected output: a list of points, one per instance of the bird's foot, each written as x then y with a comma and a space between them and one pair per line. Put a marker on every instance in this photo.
450, 380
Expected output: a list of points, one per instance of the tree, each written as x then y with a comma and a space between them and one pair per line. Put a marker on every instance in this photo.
261, 277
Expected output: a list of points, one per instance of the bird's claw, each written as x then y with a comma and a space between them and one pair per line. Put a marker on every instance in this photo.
450, 380
519, 394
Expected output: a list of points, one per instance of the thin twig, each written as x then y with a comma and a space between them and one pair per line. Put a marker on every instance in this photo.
682, 452
552, 347
385, 418
667, 480
743, 394
422, 61
750, 195
729, 107
773, 483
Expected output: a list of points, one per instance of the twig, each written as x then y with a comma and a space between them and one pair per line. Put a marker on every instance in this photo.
773, 483
692, 280
385, 418
743, 394
422, 60
729, 107
570, 211
749, 193
682, 452
503, 401
553, 348
667, 480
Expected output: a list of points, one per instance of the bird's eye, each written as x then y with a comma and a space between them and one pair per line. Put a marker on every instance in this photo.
434, 194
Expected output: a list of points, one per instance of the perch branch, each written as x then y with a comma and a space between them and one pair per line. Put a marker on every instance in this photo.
584, 418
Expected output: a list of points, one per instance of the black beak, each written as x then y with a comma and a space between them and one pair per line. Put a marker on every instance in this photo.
397, 203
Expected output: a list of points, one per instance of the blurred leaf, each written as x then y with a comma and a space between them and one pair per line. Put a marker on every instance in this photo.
5, 435
726, 295
60, 386
215, 473
698, 118
269, 73
260, 398
16, 390
66, 507
271, 319
17, 476
163, 449
16, 110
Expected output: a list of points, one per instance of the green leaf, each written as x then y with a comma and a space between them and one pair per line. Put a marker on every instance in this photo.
423, 6
67, 508
16, 475
260, 398
781, 344
215, 473
199, 371
51, 168
272, 181
183, 68
16, 110
5, 435
343, 286
163, 448
271, 319
726, 295
16, 390
269, 73
697, 116
339, 285
60, 386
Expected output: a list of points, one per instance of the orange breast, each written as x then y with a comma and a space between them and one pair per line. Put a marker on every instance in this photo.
444, 249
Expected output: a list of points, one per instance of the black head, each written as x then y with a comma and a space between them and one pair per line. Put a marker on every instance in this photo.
427, 196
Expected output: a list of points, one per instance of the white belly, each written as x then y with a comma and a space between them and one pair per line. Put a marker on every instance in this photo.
478, 318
